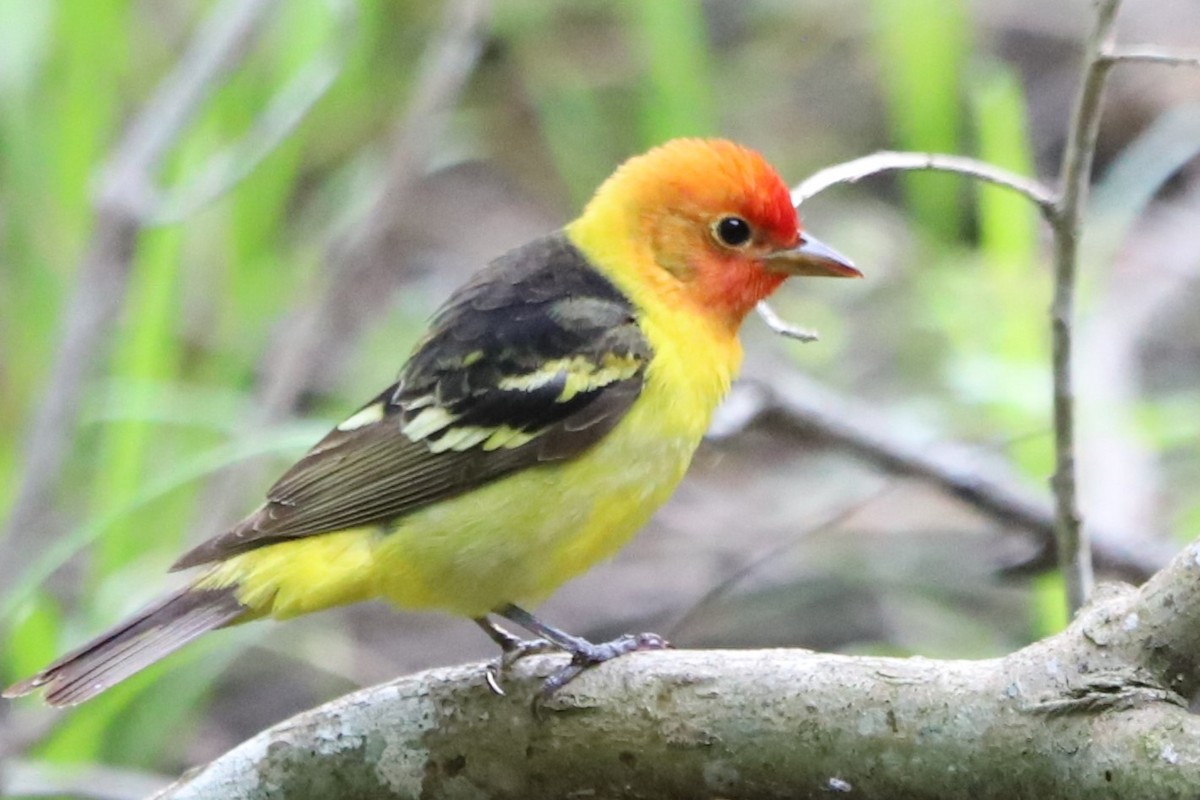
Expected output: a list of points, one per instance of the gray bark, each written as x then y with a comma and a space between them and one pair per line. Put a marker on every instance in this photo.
1096, 711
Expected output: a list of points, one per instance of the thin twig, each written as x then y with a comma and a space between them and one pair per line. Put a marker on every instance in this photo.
1074, 552
125, 195
752, 565
783, 327
1149, 55
1064, 212
283, 113
893, 161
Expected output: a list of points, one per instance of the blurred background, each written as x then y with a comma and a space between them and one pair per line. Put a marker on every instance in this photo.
188, 302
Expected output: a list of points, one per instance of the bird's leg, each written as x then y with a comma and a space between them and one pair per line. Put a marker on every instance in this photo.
503, 638
584, 654
512, 649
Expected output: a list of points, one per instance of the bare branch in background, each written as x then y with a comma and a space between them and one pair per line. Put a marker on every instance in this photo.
966, 473
449, 60
1097, 710
335, 315
125, 197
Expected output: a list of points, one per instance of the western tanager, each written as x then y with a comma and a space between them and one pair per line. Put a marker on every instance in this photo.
554, 403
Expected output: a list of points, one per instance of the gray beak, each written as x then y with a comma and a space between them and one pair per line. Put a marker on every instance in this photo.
812, 258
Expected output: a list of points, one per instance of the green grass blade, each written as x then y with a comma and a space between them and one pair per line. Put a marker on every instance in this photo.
677, 100
1008, 223
148, 351
921, 48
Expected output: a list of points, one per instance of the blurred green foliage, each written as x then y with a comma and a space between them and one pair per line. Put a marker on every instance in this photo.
922, 48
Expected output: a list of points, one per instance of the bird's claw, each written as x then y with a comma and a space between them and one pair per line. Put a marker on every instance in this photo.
512, 652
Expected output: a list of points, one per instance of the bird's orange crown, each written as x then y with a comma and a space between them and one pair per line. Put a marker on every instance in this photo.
690, 202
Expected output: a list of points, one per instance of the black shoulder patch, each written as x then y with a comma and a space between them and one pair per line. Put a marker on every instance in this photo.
539, 304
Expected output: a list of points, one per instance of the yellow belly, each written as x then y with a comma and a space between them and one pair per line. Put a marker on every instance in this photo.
517, 540
512, 541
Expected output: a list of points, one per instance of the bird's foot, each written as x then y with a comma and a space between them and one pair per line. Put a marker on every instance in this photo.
585, 655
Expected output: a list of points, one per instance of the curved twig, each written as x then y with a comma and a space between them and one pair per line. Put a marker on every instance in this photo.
895, 161
782, 326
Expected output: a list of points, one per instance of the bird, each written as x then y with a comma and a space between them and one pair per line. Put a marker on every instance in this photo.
554, 402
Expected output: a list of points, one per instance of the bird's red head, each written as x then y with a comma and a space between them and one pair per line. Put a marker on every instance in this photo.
719, 223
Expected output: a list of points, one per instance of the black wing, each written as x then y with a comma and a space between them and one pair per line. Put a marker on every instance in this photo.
534, 360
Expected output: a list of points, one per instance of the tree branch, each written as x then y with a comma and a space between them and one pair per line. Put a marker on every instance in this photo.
1097, 710
782, 326
1064, 212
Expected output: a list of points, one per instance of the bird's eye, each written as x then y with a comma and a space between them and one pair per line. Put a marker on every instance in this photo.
732, 231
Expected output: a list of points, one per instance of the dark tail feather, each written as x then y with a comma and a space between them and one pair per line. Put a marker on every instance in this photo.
133, 645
